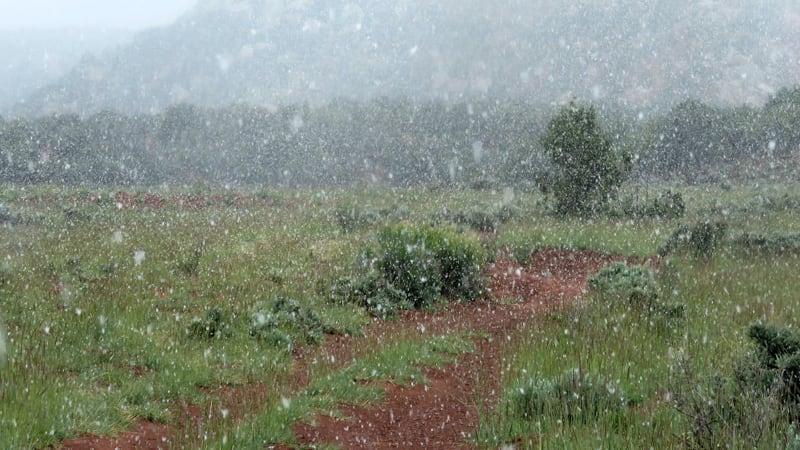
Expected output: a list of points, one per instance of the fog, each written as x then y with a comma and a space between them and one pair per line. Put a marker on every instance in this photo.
644, 53
315, 92
58, 14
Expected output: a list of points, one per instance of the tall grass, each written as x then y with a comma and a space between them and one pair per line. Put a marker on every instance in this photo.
641, 357
97, 304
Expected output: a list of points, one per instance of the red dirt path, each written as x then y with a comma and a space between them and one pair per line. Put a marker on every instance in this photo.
439, 414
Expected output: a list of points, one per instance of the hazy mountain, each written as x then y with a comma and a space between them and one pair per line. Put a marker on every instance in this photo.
35, 58
640, 52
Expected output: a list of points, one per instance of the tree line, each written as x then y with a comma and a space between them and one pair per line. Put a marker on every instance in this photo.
385, 141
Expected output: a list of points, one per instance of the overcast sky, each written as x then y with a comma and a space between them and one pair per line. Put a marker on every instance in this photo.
130, 14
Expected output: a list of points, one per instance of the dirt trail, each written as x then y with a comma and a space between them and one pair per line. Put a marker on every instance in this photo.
443, 412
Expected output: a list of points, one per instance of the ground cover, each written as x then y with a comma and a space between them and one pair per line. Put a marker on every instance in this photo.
192, 319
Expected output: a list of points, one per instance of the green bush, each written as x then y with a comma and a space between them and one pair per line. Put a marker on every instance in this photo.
484, 218
775, 244
461, 259
189, 264
371, 292
574, 398
409, 264
478, 219
665, 205
702, 239
636, 286
265, 327
620, 279
760, 396
6, 273
3, 350
352, 218
283, 321
778, 352
8, 217
720, 409
586, 168
214, 326
427, 263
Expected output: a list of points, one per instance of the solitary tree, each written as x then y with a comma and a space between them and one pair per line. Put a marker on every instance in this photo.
586, 168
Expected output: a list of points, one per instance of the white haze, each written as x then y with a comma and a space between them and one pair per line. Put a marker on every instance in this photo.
92, 14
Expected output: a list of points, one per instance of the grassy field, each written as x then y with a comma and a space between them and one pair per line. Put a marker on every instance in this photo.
117, 312
627, 378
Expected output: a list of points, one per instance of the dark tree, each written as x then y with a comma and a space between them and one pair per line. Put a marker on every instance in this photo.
586, 168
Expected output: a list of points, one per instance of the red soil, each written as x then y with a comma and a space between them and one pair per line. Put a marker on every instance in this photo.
438, 414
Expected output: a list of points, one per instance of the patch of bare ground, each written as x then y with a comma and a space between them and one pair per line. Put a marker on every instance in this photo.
443, 412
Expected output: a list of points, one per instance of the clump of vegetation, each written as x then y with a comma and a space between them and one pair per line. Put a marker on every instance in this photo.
408, 263
372, 292
416, 266
762, 393
9, 217
351, 218
665, 205
75, 215
778, 354
3, 350
427, 263
586, 168
215, 325
784, 202
635, 285
701, 239
6, 273
189, 264
273, 198
720, 410
283, 322
773, 244
620, 279
484, 218
574, 397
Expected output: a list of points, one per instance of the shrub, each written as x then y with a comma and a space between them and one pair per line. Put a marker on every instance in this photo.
282, 322
722, 410
478, 219
214, 326
409, 264
702, 239
371, 292
189, 264
665, 205
775, 244
621, 279
484, 218
6, 273
761, 396
352, 218
427, 262
778, 352
461, 259
9, 217
266, 327
574, 398
636, 286
587, 169
3, 349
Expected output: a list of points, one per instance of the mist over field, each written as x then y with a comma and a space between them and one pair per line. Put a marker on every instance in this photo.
641, 53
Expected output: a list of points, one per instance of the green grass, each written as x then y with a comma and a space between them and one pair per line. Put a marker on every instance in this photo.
356, 384
602, 235
640, 355
97, 337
